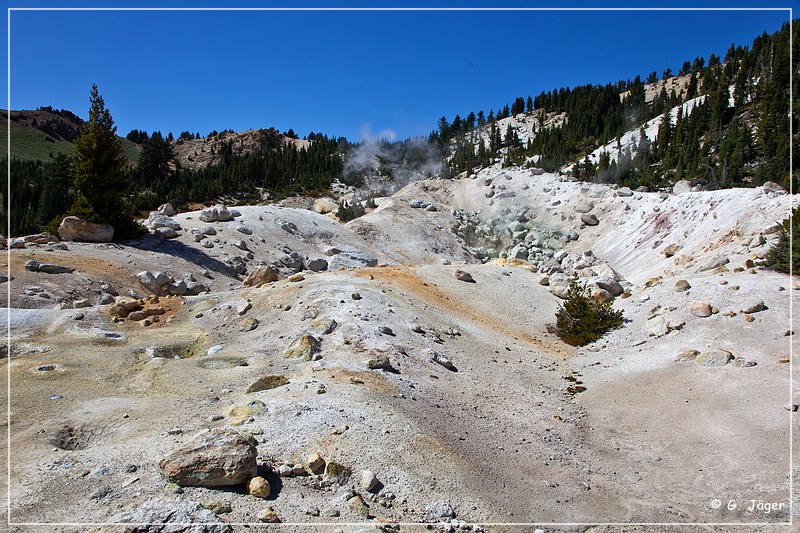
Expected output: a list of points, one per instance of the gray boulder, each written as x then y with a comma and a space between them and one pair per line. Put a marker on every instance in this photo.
317, 265
682, 187
167, 210
165, 233
774, 188
589, 219
440, 510
214, 458
559, 284
160, 220
262, 274
77, 229
609, 284
217, 213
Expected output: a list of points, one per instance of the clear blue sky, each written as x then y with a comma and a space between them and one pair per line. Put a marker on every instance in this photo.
345, 73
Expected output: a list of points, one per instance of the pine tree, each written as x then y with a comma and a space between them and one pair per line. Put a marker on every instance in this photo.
101, 173
581, 319
56, 197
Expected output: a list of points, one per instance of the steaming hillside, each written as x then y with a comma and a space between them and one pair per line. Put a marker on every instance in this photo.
357, 346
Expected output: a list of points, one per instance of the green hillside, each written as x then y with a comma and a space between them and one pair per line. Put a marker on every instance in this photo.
31, 144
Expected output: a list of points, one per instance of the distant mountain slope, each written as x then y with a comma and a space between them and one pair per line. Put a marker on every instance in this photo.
38, 133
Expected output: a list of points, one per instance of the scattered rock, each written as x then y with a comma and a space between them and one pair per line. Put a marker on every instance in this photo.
324, 326
700, 309
267, 382
717, 357
358, 506
214, 458
217, 506
243, 308
317, 265
754, 307
386, 330
590, 219
268, 515
315, 464
440, 510
378, 361
258, 487
336, 473
171, 515
559, 284
294, 278
47, 268
167, 210
792, 407
440, 359
687, 355
682, 187
248, 324
682, 286
742, 362
105, 299
464, 276
368, 480
671, 250
305, 347
217, 213
263, 274
609, 284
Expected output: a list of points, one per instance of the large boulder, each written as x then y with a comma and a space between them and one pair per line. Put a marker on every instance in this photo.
77, 229
167, 210
218, 213
772, 187
590, 219
160, 220
682, 187
306, 347
214, 458
264, 274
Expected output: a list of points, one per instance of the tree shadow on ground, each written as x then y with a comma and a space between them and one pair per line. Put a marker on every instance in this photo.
176, 248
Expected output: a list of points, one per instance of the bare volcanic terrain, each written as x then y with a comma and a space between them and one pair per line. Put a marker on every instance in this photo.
399, 369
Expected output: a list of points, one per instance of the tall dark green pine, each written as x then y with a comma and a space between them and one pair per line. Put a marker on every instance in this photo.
56, 197
101, 173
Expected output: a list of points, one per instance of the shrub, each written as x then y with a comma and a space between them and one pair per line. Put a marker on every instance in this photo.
349, 211
778, 257
581, 319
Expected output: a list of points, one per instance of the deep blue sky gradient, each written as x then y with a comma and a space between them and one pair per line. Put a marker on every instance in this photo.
347, 73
